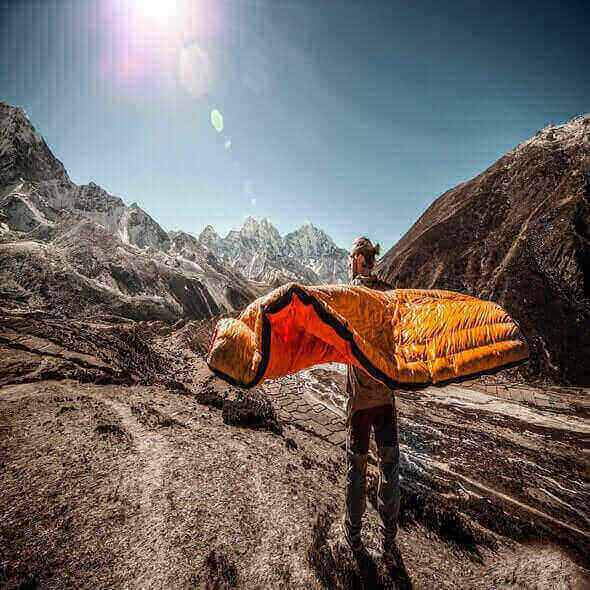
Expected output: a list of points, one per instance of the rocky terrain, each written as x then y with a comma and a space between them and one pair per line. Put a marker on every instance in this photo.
126, 464
257, 250
80, 269
79, 251
518, 234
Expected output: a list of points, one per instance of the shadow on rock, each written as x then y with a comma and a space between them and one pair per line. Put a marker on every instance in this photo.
338, 567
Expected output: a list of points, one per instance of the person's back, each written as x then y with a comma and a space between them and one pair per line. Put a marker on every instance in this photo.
371, 405
364, 391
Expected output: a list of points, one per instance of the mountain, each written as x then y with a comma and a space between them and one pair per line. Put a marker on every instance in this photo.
259, 252
23, 152
517, 234
78, 250
318, 251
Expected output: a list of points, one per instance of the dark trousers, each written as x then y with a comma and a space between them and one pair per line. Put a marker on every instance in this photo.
383, 421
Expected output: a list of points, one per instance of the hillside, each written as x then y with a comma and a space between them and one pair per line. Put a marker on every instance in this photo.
518, 234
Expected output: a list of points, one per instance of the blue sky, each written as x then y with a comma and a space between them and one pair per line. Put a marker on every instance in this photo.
352, 115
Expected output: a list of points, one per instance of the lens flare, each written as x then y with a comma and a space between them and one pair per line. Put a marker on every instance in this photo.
194, 70
152, 49
217, 120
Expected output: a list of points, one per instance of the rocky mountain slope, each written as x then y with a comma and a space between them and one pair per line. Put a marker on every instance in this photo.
23, 152
518, 234
79, 250
259, 252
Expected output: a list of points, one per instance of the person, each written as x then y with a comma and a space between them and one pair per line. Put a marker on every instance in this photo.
371, 405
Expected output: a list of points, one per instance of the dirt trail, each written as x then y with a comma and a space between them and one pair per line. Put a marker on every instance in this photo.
146, 485
142, 486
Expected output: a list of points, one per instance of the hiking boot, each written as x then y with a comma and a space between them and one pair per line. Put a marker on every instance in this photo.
389, 546
352, 538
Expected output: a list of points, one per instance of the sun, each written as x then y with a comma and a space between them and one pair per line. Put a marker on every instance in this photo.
157, 10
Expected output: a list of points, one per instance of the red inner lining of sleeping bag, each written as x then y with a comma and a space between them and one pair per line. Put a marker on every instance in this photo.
300, 339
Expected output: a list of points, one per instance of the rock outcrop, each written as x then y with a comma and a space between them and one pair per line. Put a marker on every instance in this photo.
518, 234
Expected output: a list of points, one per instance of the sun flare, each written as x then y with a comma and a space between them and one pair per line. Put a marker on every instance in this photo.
156, 9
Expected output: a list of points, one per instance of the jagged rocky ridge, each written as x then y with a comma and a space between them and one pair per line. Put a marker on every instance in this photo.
78, 250
518, 234
259, 252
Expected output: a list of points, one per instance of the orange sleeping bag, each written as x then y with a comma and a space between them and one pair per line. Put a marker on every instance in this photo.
408, 336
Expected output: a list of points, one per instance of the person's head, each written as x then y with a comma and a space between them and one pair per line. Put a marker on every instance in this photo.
362, 257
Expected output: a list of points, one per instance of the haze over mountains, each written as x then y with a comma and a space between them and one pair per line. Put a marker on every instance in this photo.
79, 250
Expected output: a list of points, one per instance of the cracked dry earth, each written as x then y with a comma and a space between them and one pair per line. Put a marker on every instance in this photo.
121, 469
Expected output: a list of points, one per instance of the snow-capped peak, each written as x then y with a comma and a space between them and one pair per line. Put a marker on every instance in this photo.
258, 250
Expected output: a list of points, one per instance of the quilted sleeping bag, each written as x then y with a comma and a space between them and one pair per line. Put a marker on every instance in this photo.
407, 336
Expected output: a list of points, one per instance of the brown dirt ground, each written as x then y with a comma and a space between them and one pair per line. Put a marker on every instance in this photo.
141, 482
